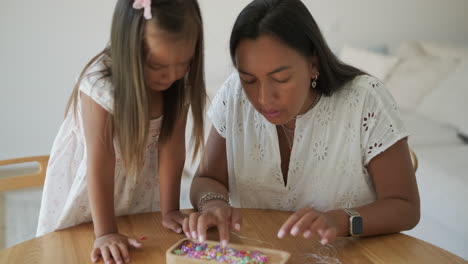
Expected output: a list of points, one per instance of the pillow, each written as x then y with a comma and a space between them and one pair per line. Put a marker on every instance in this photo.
415, 76
427, 132
447, 103
464, 138
453, 51
375, 64
408, 49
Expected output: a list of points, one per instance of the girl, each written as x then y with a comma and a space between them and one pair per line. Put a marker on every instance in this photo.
298, 130
121, 148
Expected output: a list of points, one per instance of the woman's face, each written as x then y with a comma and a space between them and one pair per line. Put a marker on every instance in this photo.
168, 57
276, 78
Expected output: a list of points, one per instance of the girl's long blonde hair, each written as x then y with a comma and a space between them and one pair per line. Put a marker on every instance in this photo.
123, 61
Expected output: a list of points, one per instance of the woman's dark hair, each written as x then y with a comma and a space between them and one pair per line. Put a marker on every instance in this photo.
291, 22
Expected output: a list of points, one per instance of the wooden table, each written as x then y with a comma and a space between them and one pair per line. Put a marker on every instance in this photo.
73, 245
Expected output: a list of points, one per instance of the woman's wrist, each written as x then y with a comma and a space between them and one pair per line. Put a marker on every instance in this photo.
341, 221
209, 197
213, 204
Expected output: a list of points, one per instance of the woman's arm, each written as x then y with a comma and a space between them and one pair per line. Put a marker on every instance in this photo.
397, 205
171, 160
396, 208
212, 174
100, 166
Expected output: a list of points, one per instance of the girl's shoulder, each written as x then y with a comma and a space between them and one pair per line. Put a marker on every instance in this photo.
96, 84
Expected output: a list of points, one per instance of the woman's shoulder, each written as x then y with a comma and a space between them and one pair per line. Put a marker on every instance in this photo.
363, 88
364, 82
231, 85
231, 92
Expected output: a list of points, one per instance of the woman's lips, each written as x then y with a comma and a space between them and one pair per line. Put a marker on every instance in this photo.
271, 113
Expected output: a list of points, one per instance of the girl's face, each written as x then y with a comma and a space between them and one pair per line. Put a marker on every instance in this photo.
168, 57
276, 78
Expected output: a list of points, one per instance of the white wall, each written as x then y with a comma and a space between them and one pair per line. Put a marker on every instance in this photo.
44, 45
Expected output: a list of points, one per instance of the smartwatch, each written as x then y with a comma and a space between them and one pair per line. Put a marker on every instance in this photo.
355, 222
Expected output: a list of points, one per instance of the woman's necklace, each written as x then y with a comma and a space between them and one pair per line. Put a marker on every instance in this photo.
291, 130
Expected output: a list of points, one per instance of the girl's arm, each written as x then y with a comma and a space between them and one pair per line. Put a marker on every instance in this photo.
109, 244
171, 160
100, 166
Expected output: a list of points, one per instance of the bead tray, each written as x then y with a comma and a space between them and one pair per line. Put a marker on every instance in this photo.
273, 256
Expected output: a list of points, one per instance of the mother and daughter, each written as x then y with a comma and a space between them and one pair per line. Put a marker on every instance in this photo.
294, 129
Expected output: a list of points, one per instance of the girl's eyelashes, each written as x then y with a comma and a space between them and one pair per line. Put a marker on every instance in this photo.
156, 66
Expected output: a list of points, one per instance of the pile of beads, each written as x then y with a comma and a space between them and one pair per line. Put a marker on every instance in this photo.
217, 253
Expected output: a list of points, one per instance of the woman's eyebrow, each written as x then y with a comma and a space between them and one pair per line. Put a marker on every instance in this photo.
279, 69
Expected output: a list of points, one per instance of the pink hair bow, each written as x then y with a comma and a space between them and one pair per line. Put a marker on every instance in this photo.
146, 4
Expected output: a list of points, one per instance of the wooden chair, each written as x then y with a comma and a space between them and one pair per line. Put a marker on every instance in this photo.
35, 179
28, 180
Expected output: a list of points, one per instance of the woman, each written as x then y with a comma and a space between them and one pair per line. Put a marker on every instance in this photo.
298, 130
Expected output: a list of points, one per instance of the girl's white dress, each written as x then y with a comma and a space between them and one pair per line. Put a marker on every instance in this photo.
333, 143
65, 200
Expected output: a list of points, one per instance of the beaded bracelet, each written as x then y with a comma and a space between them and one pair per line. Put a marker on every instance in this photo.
211, 196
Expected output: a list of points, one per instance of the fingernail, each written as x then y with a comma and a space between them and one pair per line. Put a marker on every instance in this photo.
237, 227
324, 241
179, 230
307, 234
281, 233
194, 235
294, 231
200, 239
224, 243
188, 235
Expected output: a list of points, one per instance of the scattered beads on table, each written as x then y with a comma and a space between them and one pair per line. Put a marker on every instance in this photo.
217, 253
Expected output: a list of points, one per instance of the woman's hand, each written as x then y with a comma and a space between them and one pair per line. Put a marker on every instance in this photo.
308, 221
215, 213
113, 248
174, 221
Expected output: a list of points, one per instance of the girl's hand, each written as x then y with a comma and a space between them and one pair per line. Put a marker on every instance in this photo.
215, 213
174, 221
113, 248
308, 221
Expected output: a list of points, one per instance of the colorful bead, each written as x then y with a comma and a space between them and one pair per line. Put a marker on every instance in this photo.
220, 254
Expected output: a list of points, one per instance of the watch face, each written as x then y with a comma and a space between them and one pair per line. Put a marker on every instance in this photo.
356, 223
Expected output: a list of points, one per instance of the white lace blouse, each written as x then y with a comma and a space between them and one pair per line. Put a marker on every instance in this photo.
333, 143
